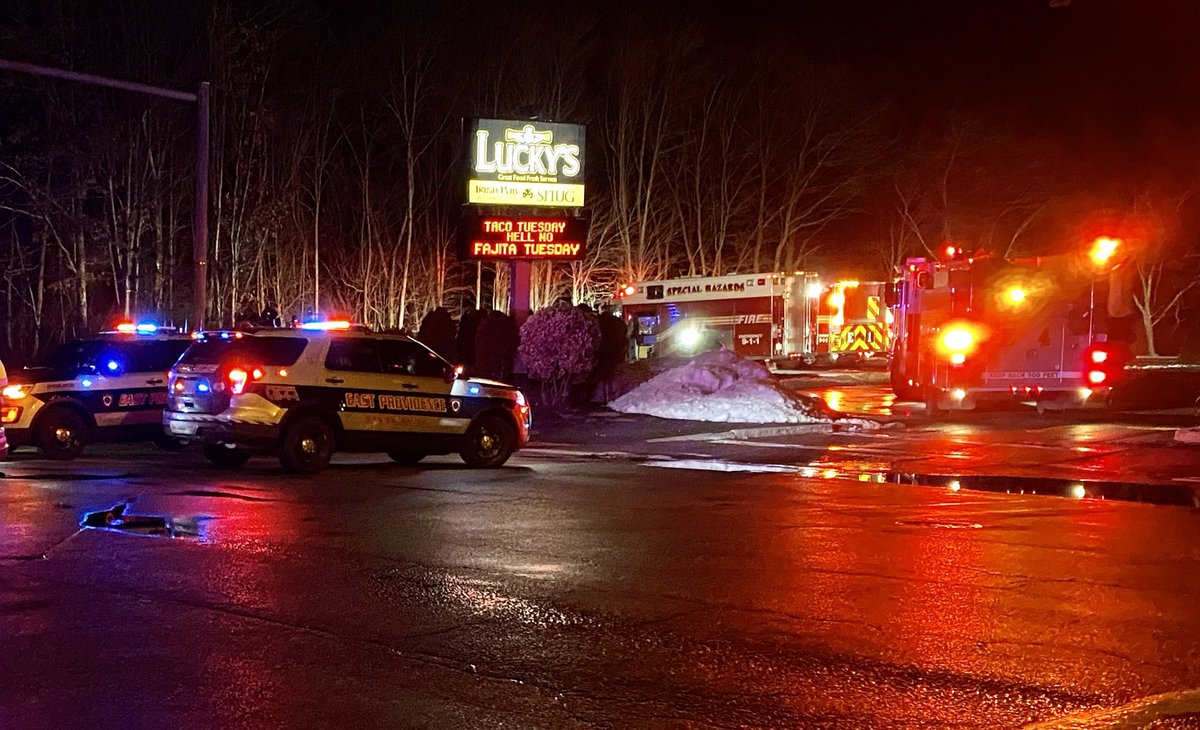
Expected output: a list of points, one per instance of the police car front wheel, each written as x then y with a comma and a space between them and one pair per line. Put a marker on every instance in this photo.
307, 446
489, 442
61, 434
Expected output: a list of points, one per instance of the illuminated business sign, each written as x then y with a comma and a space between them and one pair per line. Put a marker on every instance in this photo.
544, 239
513, 162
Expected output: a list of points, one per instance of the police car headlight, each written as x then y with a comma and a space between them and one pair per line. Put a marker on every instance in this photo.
521, 399
14, 391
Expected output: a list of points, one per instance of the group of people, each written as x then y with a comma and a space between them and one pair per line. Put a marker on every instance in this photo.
485, 341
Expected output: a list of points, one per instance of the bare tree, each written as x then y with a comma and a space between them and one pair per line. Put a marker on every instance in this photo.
1166, 270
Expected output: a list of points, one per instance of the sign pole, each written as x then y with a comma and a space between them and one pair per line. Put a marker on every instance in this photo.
520, 283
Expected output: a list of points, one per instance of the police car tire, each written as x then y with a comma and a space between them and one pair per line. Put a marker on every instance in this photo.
401, 456
49, 426
224, 457
501, 441
292, 453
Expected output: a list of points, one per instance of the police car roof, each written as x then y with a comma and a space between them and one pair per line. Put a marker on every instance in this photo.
162, 334
354, 331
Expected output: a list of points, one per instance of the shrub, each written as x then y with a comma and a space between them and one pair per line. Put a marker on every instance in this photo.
558, 347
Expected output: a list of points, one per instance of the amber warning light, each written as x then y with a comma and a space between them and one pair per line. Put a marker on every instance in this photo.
557, 239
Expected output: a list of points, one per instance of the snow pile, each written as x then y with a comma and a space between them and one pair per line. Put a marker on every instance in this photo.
722, 387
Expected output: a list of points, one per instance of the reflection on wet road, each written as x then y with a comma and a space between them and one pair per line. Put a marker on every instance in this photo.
864, 400
771, 577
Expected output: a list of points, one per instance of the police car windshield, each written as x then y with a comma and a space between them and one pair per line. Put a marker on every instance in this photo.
252, 350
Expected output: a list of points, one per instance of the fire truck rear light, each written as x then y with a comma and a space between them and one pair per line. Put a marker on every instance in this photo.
1028, 389
958, 358
1099, 356
1096, 377
1039, 389
1014, 390
958, 394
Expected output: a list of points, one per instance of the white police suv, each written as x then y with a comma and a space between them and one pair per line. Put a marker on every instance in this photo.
304, 393
3, 438
107, 387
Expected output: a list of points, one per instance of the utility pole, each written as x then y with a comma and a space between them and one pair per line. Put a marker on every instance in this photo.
200, 208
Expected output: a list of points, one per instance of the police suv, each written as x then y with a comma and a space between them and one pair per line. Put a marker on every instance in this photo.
3, 438
304, 393
108, 387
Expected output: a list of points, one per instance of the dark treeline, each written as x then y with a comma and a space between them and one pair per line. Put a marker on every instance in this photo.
337, 172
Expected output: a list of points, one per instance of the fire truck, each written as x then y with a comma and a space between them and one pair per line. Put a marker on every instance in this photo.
769, 316
972, 329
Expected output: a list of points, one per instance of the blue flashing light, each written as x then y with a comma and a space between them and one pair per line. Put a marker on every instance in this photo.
113, 366
147, 328
202, 387
473, 389
86, 382
326, 325
225, 335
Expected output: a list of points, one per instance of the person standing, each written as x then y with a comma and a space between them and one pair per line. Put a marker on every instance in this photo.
438, 333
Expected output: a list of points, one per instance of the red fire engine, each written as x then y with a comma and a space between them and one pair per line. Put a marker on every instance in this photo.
759, 316
974, 329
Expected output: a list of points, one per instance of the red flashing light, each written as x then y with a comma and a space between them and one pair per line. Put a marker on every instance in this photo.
951, 251
1096, 377
127, 328
325, 326
630, 290
1099, 356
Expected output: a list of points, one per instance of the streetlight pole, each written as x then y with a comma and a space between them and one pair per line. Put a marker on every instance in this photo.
200, 208
200, 211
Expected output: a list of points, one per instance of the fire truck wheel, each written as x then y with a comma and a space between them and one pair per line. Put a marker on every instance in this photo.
902, 388
932, 407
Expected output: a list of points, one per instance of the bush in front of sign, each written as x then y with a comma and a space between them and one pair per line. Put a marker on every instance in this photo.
558, 346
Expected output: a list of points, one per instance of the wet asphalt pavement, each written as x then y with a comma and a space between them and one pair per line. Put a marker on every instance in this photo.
586, 586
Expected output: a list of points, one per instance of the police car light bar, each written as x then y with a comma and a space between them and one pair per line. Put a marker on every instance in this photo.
145, 328
337, 324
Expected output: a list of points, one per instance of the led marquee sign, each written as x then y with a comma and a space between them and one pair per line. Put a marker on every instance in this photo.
541, 239
514, 162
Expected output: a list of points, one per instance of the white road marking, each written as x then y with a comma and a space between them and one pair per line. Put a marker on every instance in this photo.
749, 433
728, 466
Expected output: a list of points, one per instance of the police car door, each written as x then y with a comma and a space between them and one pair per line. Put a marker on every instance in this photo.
421, 384
132, 388
354, 381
